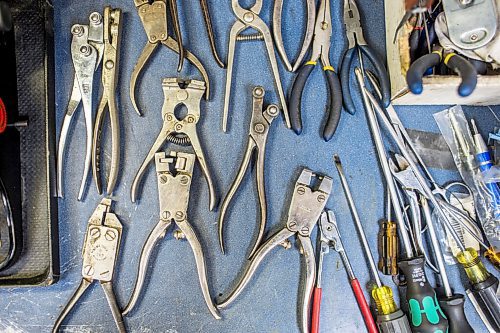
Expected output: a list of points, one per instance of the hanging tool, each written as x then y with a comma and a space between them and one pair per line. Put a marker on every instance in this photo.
181, 132
87, 48
111, 58
354, 32
210, 32
249, 18
426, 313
174, 173
278, 37
154, 20
320, 50
390, 319
329, 236
259, 129
305, 208
452, 60
100, 253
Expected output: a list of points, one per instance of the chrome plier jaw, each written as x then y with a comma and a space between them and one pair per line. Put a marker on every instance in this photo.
308, 201
257, 138
174, 173
100, 253
249, 18
111, 59
179, 131
86, 53
154, 20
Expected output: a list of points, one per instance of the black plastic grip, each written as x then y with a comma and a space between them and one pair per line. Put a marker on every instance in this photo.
453, 308
485, 297
382, 74
294, 104
466, 71
345, 75
334, 106
417, 70
426, 315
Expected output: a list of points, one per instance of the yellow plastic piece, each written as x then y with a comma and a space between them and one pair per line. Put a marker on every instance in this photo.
448, 57
470, 260
311, 63
384, 300
329, 68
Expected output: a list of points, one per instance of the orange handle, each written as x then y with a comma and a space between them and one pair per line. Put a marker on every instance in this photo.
316, 310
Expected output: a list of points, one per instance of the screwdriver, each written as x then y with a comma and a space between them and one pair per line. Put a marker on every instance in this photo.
390, 319
426, 313
388, 244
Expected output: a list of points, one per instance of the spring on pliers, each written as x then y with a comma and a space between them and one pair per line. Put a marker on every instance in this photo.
180, 140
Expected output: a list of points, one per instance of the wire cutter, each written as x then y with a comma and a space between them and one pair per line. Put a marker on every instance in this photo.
308, 36
182, 132
305, 208
100, 252
112, 39
320, 50
154, 20
257, 139
329, 237
354, 33
87, 47
174, 173
249, 18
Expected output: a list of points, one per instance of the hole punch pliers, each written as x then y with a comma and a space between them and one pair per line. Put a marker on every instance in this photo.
179, 131
257, 138
278, 36
249, 18
305, 209
357, 42
320, 50
154, 20
87, 48
112, 39
100, 253
174, 174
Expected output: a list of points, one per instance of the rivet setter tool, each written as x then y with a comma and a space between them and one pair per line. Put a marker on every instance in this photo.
111, 57
278, 36
249, 18
154, 21
183, 131
257, 138
320, 50
309, 198
100, 253
174, 174
87, 47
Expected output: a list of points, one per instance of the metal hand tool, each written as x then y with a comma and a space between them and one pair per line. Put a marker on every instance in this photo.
390, 319
179, 131
305, 208
100, 252
111, 58
259, 129
7, 216
154, 20
174, 173
308, 36
249, 18
452, 60
354, 32
87, 47
329, 237
210, 32
320, 50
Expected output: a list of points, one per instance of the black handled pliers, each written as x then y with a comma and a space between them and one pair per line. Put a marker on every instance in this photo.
320, 50
354, 33
455, 62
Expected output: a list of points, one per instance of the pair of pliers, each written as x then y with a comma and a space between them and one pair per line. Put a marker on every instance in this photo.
257, 138
154, 21
246, 19
100, 253
320, 50
278, 36
174, 174
354, 32
179, 131
305, 209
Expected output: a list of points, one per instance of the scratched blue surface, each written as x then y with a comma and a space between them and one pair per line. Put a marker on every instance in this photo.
172, 300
